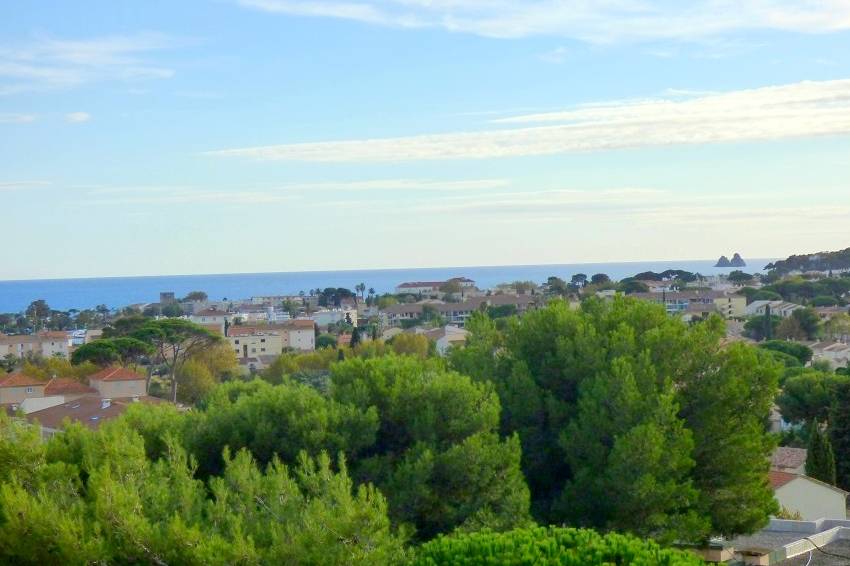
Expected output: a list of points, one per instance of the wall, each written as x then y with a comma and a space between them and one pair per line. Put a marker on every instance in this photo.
813, 500
18, 394
118, 389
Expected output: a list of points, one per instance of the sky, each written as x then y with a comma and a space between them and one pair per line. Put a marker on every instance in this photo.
231, 136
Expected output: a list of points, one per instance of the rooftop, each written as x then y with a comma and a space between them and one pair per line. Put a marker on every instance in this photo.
116, 373
788, 458
20, 380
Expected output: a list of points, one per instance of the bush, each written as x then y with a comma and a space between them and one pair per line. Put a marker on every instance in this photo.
548, 546
800, 351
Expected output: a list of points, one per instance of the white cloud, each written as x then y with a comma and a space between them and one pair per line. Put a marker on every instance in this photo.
17, 185
13, 118
769, 113
77, 117
401, 185
601, 21
50, 63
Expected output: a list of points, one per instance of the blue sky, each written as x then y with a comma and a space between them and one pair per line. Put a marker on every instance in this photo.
160, 137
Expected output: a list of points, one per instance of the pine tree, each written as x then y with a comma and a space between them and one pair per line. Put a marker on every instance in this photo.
820, 462
355, 337
839, 432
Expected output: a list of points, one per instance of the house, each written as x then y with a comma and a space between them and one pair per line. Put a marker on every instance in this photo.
457, 313
788, 459
447, 337
786, 542
837, 354
826, 313
54, 343
811, 498
16, 387
211, 316
693, 303
90, 411
300, 335
253, 341
431, 287
118, 382
782, 309
325, 317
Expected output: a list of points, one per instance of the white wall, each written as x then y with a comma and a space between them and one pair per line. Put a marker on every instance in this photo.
812, 499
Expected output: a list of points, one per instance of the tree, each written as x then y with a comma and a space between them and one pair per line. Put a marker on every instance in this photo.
809, 322
790, 329
37, 313
548, 546
613, 386
194, 296
820, 460
355, 337
175, 340
600, 279
172, 310
629, 286
360, 288
578, 280
807, 396
9, 362
557, 286
325, 341
451, 287
839, 432
800, 351
738, 277
762, 327
98, 352
837, 327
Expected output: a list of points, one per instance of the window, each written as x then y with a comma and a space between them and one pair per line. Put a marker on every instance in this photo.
262, 339
237, 341
29, 389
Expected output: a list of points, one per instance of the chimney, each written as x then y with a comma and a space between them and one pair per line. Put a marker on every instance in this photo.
105, 403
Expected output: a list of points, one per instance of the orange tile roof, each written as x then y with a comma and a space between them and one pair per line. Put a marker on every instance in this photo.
778, 479
19, 380
64, 386
116, 374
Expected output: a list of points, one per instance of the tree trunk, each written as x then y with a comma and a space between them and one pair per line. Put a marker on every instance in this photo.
173, 385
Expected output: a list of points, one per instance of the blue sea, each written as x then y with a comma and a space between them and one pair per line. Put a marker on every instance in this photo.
64, 294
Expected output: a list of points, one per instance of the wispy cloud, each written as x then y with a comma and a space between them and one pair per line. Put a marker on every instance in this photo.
279, 193
77, 117
604, 21
13, 118
769, 113
45, 62
19, 185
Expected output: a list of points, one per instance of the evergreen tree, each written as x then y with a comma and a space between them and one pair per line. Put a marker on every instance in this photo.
839, 433
820, 461
355, 337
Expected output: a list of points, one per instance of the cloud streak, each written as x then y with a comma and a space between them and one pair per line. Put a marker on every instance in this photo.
14, 118
603, 21
771, 113
77, 117
47, 63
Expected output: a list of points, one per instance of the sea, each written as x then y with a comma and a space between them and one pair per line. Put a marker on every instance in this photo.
115, 292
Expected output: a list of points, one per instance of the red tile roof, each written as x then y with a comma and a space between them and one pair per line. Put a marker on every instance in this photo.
778, 479
64, 386
89, 411
19, 380
116, 374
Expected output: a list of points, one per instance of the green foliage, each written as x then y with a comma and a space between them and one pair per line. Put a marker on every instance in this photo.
800, 351
760, 327
551, 546
820, 460
326, 341
94, 497
436, 452
621, 393
839, 432
821, 261
808, 394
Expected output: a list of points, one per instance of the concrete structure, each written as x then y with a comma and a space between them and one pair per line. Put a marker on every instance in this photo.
16, 387
837, 354
210, 317
811, 498
300, 335
793, 543
782, 309
698, 303
334, 316
447, 337
457, 313
54, 343
118, 382
253, 341
431, 287
47, 343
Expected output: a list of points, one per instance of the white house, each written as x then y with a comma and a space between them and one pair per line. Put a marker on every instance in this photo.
812, 498
783, 309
